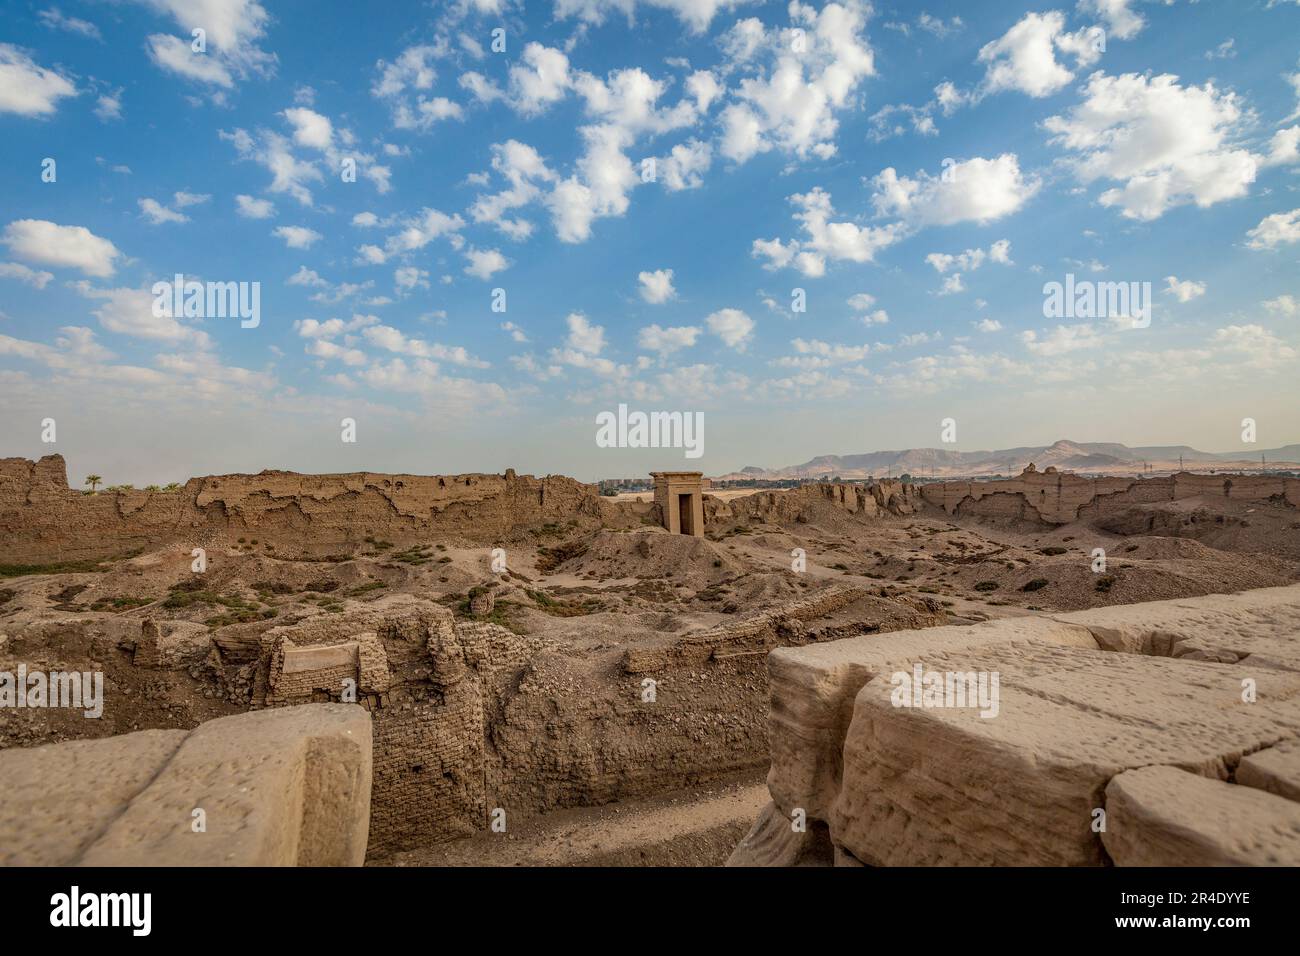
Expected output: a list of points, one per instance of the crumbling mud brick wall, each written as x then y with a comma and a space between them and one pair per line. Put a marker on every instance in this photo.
43, 519
1061, 497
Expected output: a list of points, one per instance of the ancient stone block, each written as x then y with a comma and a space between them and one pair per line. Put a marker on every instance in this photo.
1163, 816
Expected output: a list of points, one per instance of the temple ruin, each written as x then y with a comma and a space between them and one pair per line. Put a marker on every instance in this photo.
680, 497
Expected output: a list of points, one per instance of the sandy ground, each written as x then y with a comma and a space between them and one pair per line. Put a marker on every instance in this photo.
698, 828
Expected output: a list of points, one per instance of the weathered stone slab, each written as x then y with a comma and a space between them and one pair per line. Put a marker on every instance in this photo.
1260, 624
280, 787
943, 785
1162, 816
1275, 769
813, 689
55, 800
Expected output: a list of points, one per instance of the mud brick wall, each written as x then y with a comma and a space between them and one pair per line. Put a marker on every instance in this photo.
565, 738
428, 772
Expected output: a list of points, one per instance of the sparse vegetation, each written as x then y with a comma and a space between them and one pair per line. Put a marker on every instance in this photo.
57, 567
548, 559
561, 608
120, 603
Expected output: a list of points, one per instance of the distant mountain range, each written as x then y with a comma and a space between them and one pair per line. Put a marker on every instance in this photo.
1082, 457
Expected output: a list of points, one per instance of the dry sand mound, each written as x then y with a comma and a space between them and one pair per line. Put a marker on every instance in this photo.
653, 553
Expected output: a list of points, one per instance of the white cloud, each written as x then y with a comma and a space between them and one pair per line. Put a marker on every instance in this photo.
47, 243
861, 303
306, 277
232, 31
393, 340
27, 88
109, 106
734, 327
157, 213
695, 14
685, 165
976, 190
55, 20
183, 199
525, 171
1024, 58
324, 349
410, 277
1063, 339
583, 336
792, 104
16, 270
952, 285
989, 325
484, 263
251, 208
605, 178
836, 241
665, 341
540, 78
289, 174
824, 354
657, 287
1286, 305
416, 232
1121, 22
1167, 144
175, 56
971, 259
1259, 348
297, 237
310, 128
1283, 148
1274, 230
131, 312
1185, 290
516, 333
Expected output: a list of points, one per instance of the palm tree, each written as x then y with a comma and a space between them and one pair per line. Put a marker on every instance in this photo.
93, 481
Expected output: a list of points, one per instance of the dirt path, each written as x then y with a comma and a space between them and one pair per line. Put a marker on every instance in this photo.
698, 828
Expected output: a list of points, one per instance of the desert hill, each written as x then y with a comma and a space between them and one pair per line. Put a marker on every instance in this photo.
1065, 455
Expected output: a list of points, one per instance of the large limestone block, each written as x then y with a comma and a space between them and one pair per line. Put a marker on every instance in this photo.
943, 785
56, 799
278, 787
813, 689
1163, 816
1275, 769
1262, 624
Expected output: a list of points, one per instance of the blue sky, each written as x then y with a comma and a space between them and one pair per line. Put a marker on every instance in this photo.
918, 171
